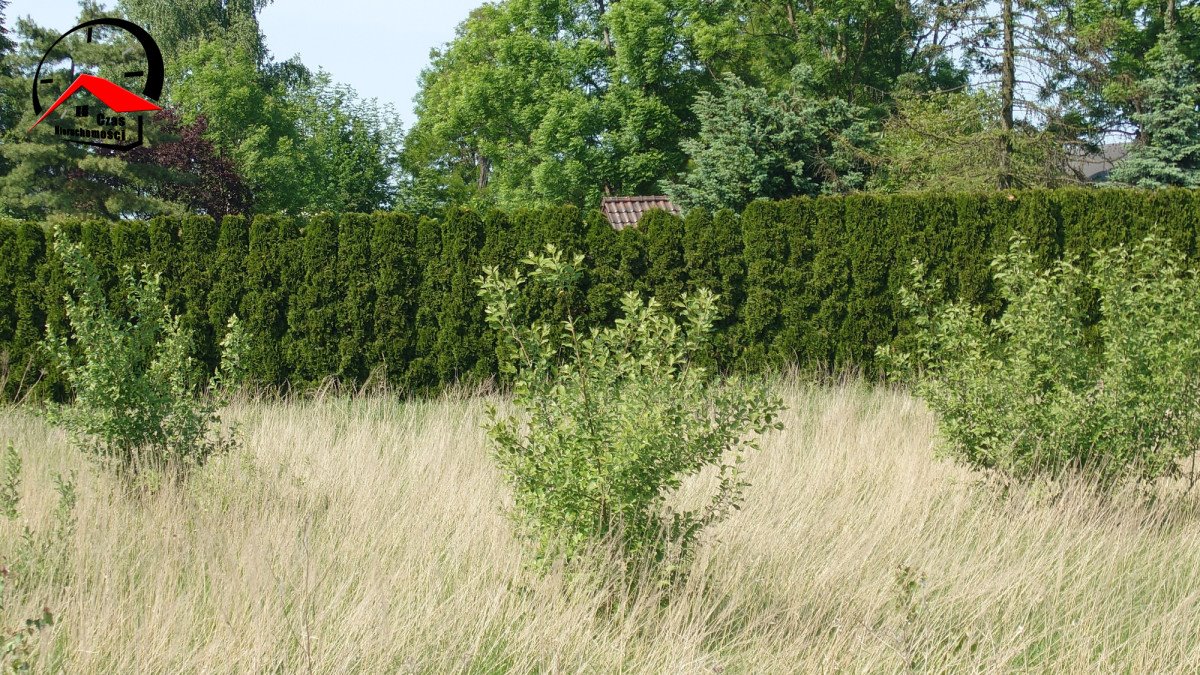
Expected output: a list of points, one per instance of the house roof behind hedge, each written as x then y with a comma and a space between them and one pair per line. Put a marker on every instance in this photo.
625, 211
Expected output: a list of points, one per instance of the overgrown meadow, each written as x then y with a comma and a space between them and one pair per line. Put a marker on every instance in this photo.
368, 535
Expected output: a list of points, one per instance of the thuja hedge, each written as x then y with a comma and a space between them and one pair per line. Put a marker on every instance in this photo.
389, 297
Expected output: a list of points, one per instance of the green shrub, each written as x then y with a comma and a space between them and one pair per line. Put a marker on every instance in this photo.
608, 424
1039, 391
135, 405
10, 482
19, 647
36, 555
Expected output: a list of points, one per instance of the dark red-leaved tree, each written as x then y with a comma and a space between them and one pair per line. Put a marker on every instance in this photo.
194, 174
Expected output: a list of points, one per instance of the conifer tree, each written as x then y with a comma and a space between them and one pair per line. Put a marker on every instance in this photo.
396, 280
228, 274
312, 314
265, 304
666, 274
422, 369
460, 337
1171, 122
356, 297
197, 247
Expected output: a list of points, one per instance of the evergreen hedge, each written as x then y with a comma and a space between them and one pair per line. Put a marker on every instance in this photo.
392, 297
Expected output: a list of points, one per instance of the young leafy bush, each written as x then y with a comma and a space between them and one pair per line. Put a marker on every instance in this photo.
610, 423
135, 402
47, 555
1040, 390
39, 556
19, 646
10, 482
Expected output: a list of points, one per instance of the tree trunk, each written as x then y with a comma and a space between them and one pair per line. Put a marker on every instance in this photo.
1008, 84
485, 170
608, 47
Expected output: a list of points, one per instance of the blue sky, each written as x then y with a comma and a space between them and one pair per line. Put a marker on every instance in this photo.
376, 46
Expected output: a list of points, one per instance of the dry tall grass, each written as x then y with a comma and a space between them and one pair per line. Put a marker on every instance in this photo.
366, 536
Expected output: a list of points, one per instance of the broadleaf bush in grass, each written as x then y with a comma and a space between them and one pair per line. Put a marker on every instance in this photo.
610, 422
1050, 387
136, 403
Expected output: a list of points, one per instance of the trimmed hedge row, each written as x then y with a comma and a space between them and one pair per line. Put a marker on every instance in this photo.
392, 296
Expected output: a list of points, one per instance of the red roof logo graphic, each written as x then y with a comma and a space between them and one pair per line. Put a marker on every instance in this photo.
117, 98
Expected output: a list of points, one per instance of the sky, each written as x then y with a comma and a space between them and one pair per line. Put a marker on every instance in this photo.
376, 46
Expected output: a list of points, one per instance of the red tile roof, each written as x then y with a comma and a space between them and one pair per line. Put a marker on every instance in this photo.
625, 211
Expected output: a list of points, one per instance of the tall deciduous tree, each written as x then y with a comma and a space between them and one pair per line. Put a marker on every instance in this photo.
193, 173
303, 143
554, 102
573, 100
178, 27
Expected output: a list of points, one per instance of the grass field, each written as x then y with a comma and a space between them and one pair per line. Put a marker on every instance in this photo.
367, 536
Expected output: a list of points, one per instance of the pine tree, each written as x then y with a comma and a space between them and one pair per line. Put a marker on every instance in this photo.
11, 98
1171, 122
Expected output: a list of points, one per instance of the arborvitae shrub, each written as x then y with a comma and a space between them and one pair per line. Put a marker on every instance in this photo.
666, 272
460, 346
422, 370
356, 331
9, 275
22, 317
313, 308
196, 264
130, 242
265, 303
397, 281
604, 259
631, 259
726, 238
700, 256
868, 318
764, 248
165, 257
830, 283
228, 272
560, 226
814, 281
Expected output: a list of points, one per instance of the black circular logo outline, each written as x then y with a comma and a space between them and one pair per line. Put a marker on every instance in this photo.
154, 60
